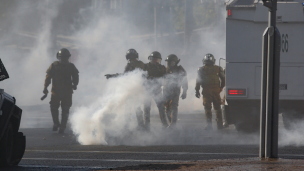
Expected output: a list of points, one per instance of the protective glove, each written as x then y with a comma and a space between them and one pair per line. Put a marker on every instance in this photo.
197, 94
111, 75
184, 95
108, 76
45, 90
74, 87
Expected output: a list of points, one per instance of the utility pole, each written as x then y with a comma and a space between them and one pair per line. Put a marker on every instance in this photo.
270, 85
156, 4
188, 24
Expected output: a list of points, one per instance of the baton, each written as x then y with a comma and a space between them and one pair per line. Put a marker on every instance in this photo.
44, 96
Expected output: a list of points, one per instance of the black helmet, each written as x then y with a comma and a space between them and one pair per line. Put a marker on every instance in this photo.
172, 60
155, 56
173, 57
131, 53
63, 55
209, 59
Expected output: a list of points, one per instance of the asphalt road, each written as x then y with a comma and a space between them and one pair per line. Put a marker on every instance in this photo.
47, 150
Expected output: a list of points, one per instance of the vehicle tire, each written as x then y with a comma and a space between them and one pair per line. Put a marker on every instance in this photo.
7, 146
19, 148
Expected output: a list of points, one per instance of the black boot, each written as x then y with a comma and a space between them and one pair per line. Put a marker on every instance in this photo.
55, 113
208, 127
219, 119
162, 115
64, 119
208, 113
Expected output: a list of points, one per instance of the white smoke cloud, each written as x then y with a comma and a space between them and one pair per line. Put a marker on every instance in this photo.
26, 58
293, 133
112, 112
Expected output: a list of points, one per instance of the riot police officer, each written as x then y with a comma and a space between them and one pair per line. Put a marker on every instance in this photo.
212, 79
176, 77
133, 63
64, 77
155, 73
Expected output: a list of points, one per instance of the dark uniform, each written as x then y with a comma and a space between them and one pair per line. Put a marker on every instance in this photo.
176, 77
64, 78
131, 66
155, 73
212, 79
133, 63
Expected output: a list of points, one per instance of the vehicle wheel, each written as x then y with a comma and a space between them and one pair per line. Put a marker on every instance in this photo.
7, 146
19, 148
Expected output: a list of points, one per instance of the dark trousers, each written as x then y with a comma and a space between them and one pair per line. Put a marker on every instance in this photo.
212, 96
65, 101
171, 106
158, 98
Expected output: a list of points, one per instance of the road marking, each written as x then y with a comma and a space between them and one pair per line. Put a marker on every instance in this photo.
134, 152
108, 160
63, 167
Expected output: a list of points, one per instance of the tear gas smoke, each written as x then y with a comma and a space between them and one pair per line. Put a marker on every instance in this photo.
27, 68
112, 112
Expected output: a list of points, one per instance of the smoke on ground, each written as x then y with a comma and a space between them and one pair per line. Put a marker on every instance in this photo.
112, 113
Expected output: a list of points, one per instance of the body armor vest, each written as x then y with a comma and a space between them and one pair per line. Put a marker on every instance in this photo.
174, 77
155, 70
62, 74
210, 76
134, 65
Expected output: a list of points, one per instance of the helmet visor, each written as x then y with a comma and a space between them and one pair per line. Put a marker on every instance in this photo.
171, 64
63, 59
155, 60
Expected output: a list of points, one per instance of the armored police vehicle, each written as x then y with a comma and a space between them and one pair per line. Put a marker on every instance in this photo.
246, 21
12, 142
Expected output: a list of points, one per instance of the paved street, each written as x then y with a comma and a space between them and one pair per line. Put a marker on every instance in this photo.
47, 150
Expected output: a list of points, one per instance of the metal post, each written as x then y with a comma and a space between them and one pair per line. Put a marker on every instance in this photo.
188, 23
155, 26
263, 95
270, 85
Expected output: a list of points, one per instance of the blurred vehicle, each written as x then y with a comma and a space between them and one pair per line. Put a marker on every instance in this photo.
245, 23
12, 142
